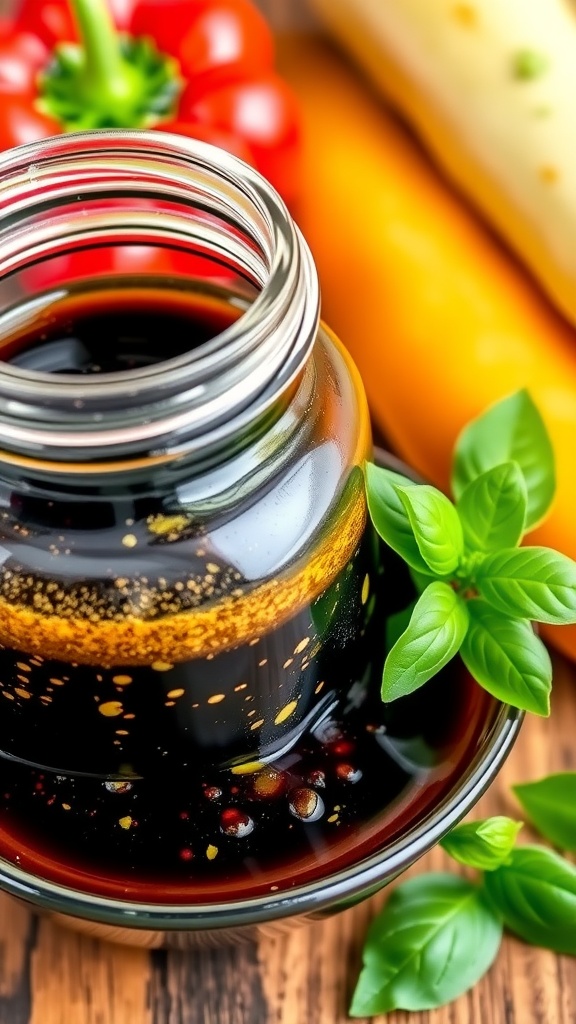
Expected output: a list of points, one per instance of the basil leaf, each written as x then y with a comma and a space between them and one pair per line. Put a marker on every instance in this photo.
482, 844
510, 431
507, 659
436, 527
551, 805
533, 583
492, 508
435, 938
536, 895
436, 629
389, 516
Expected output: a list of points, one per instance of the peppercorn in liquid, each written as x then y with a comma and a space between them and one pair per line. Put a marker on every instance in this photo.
177, 722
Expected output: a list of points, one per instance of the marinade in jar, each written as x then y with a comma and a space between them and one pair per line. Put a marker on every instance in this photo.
179, 720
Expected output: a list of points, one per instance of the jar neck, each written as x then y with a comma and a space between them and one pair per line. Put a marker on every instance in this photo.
151, 193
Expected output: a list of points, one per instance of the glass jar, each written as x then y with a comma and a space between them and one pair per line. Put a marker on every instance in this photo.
193, 606
187, 581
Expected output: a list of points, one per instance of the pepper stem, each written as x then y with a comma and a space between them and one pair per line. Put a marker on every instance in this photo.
108, 79
105, 72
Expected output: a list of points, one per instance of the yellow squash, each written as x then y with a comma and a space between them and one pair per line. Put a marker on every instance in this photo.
439, 319
490, 86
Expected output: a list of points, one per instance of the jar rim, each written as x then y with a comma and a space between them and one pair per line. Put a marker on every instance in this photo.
213, 391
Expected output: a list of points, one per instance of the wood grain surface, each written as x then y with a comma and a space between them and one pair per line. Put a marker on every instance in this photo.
52, 976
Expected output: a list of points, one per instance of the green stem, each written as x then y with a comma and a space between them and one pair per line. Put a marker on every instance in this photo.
104, 67
108, 79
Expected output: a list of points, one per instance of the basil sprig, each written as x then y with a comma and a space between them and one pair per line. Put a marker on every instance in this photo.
479, 591
551, 804
438, 934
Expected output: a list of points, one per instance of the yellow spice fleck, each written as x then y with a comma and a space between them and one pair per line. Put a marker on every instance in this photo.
66, 807
161, 666
125, 822
333, 818
110, 708
174, 694
211, 852
257, 725
9, 696
319, 687
365, 589
212, 567
23, 667
302, 645
122, 680
241, 686
161, 525
285, 712
22, 693
247, 769
129, 540
216, 698
288, 663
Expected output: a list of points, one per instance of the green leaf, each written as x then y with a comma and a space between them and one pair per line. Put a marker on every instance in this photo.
482, 844
436, 527
551, 804
536, 895
507, 659
510, 431
492, 508
436, 629
389, 516
533, 583
435, 938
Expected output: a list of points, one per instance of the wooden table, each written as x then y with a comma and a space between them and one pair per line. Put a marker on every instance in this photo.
52, 976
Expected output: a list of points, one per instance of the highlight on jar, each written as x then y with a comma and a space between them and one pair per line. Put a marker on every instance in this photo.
193, 599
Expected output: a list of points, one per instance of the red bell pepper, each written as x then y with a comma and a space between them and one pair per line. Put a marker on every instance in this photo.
202, 68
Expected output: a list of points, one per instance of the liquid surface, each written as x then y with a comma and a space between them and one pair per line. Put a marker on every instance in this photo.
180, 719
116, 333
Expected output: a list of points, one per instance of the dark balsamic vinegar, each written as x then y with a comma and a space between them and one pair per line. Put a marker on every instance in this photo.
234, 771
